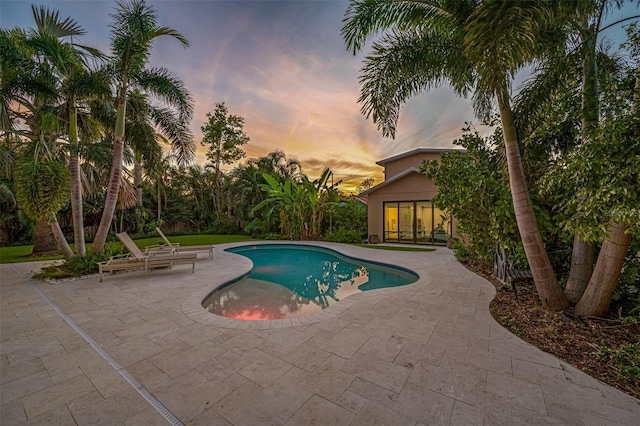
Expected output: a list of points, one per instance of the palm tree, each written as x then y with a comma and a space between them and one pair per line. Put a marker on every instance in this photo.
149, 126
133, 30
30, 94
474, 46
556, 73
76, 83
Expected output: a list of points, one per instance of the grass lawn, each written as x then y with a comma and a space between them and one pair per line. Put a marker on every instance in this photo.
19, 254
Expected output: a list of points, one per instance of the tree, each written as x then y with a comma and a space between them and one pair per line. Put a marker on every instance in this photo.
150, 126
133, 30
475, 47
472, 187
43, 188
68, 61
31, 86
366, 184
556, 73
300, 205
246, 189
604, 173
224, 135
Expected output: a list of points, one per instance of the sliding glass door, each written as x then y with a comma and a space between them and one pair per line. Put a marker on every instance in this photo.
415, 222
391, 222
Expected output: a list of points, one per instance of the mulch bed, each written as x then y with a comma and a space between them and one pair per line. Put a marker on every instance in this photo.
593, 345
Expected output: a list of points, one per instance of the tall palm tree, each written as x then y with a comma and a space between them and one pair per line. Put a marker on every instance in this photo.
474, 46
133, 30
76, 83
30, 95
555, 73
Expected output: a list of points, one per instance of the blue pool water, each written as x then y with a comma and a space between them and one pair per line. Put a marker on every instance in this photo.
289, 280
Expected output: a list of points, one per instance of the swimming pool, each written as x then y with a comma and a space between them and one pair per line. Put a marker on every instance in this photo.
293, 280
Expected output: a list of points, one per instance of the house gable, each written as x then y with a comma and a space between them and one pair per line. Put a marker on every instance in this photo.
413, 159
409, 185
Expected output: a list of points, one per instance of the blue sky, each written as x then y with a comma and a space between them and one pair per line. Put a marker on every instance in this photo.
283, 66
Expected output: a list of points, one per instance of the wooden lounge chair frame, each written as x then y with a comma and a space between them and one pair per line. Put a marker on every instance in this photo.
149, 261
209, 249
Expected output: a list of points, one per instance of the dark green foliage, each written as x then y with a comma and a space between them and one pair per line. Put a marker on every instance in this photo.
224, 226
347, 214
342, 235
625, 359
627, 294
76, 266
474, 188
42, 187
461, 252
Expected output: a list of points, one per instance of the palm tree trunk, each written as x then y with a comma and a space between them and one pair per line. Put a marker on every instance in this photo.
159, 200
44, 241
545, 280
582, 256
218, 197
114, 180
597, 297
599, 292
137, 180
76, 185
137, 185
76, 205
61, 240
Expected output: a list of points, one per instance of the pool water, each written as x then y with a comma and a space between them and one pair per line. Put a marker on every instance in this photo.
289, 280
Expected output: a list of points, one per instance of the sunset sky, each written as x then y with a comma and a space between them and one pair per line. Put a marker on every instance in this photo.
283, 66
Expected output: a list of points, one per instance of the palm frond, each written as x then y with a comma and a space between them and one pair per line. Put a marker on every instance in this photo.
404, 64
167, 86
366, 18
177, 134
48, 21
166, 31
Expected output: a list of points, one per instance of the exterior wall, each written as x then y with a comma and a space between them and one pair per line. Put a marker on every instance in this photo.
393, 168
413, 187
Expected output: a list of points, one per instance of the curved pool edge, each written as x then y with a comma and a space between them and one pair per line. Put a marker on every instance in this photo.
192, 306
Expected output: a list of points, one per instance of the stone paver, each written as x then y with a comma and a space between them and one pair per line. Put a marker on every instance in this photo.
424, 354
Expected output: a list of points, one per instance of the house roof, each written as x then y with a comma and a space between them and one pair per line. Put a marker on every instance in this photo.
390, 180
417, 151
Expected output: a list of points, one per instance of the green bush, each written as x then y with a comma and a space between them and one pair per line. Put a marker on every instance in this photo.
275, 236
347, 214
78, 266
224, 226
627, 294
344, 236
461, 252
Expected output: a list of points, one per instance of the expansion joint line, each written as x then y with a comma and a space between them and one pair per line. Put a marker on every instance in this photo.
160, 408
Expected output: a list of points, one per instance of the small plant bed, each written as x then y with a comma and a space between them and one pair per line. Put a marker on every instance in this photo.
74, 268
607, 349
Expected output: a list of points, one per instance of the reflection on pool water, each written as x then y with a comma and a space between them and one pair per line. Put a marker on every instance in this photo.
289, 280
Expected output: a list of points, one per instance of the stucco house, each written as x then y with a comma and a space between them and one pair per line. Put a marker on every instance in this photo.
400, 208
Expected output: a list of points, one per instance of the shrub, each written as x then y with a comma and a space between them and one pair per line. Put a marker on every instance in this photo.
344, 236
77, 266
275, 236
224, 226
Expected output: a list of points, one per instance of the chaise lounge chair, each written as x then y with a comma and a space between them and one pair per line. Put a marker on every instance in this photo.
179, 249
148, 261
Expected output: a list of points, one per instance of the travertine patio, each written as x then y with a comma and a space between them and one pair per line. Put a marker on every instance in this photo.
428, 353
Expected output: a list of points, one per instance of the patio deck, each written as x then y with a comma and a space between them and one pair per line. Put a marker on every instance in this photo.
428, 353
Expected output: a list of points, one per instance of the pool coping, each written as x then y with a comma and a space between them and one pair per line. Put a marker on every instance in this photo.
192, 305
